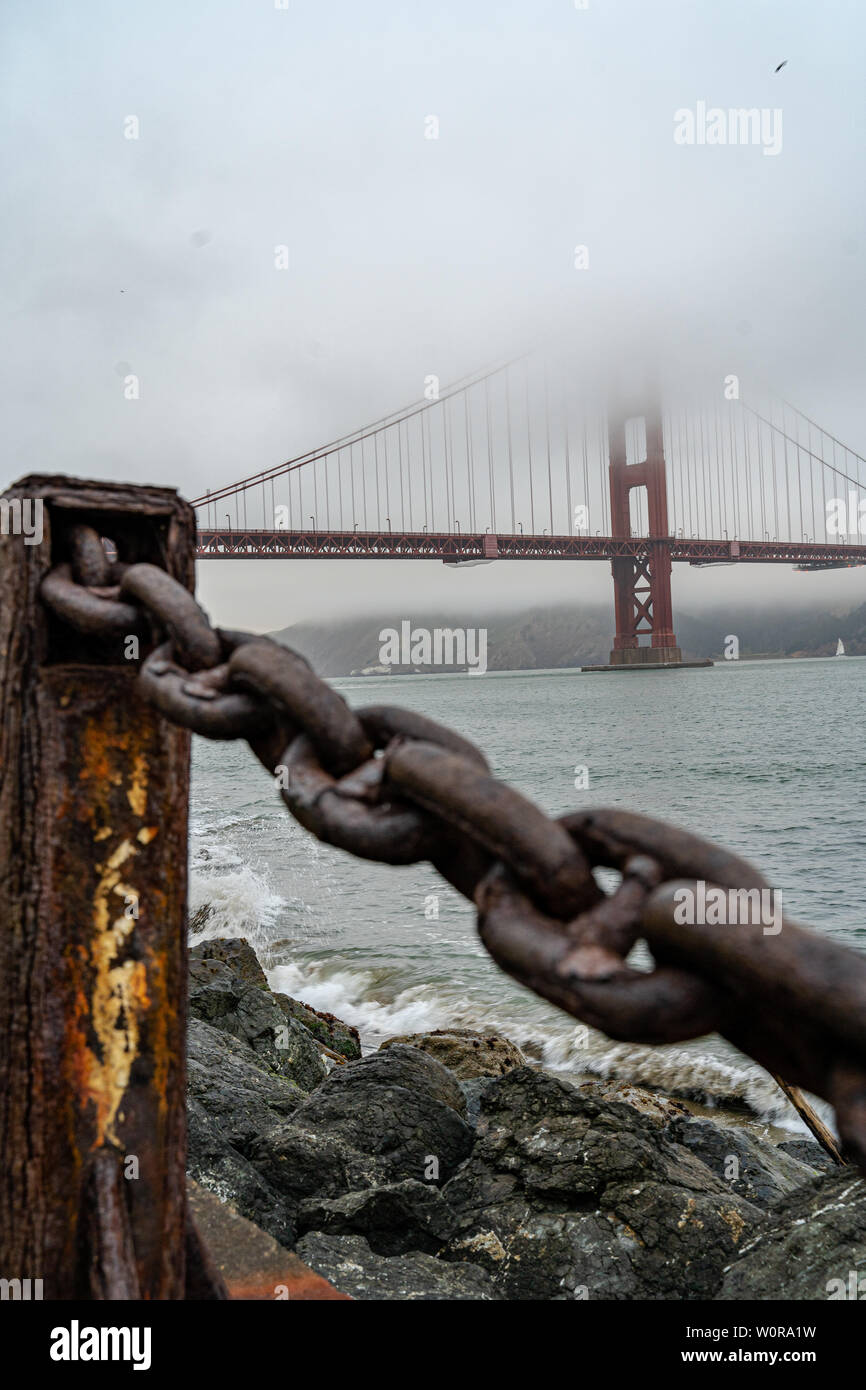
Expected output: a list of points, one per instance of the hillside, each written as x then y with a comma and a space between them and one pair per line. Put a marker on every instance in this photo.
539, 638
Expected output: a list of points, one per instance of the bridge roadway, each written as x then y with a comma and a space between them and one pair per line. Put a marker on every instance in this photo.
451, 547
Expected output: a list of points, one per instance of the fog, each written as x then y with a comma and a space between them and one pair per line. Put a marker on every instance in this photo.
306, 127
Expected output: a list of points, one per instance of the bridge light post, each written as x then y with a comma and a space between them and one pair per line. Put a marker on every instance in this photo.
355, 527
520, 524
388, 519
313, 519
228, 521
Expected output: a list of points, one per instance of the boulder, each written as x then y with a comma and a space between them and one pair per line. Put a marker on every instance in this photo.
387, 1117
349, 1264
760, 1172
245, 1010
569, 1194
394, 1218
326, 1028
235, 952
812, 1247
463, 1052
810, 1152
227, 1077
232, 1104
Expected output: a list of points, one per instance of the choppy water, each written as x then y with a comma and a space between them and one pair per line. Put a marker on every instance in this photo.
768, 758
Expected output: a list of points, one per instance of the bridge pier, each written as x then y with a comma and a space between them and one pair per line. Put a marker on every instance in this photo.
643, 606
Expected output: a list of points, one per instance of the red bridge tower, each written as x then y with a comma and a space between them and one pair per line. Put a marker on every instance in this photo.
642, 586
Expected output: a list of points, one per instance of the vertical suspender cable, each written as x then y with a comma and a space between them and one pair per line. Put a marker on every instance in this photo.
510, 448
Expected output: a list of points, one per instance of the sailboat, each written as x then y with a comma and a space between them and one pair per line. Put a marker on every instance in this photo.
840, 647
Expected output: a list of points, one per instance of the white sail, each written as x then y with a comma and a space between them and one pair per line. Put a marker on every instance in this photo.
840, 647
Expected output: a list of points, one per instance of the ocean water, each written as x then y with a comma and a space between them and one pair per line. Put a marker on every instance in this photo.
768, 758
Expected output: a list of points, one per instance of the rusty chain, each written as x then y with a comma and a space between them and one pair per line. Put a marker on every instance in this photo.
391, 785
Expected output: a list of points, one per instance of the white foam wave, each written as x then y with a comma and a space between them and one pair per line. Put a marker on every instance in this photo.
374, 1003
242, 903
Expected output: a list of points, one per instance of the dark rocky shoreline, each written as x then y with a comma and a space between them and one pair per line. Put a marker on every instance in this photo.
443, 1166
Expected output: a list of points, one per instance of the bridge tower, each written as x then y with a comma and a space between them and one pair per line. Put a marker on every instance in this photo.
641, 584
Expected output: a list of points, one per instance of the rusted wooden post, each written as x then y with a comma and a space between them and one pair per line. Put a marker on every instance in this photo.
93, 886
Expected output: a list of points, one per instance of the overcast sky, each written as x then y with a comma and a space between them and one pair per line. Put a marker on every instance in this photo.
260, 127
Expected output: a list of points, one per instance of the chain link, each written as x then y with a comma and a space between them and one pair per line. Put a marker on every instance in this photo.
391, 785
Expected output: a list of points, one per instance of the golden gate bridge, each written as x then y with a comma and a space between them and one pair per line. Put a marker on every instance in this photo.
515, 463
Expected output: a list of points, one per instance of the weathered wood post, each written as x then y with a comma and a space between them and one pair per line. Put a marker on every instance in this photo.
93, 885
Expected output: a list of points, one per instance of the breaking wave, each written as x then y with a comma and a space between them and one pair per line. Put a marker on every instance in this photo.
379, 1004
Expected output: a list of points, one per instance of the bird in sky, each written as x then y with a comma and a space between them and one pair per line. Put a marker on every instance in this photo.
783, 64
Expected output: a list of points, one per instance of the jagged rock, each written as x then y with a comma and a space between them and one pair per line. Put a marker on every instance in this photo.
227, 1078
810, 1152
755, 1170
393, 1218
227, 1001
569, 1194
812, 1247
232, 1104
658, 1108
465, 1053
353, 1268
393, 1115
235, 952
326, 1028
224, 1170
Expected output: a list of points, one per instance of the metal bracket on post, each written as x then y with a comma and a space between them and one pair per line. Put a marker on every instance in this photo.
94, 791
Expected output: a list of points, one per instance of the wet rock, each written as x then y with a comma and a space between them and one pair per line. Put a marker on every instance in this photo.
758, 1171
569, 1194
393, 1218
658, 1108
231, 1003
223, 1170
810, 1152
227, 1078
235, 952
812, 1247
326, 1028
465, 1053
393, 1115
353, 1268
233, 1104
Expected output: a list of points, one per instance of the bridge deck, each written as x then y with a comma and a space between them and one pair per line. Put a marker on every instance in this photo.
450, 547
